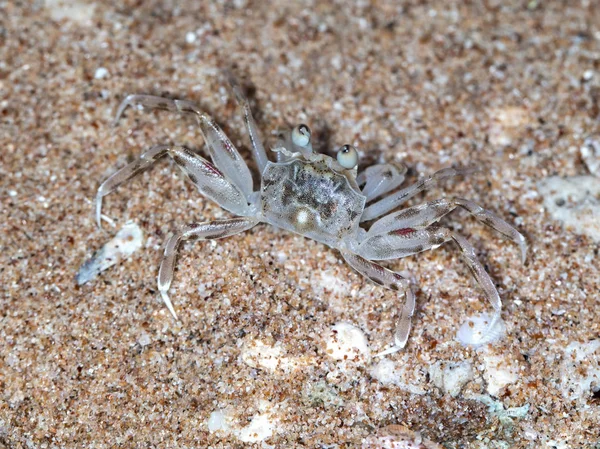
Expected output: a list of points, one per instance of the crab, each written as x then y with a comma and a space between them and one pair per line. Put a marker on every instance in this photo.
317, 196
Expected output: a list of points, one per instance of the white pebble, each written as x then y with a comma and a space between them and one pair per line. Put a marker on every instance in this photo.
190, 37
144, 339
74, 10
100, 73
218, 420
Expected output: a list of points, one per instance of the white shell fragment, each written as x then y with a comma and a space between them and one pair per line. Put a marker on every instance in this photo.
218, 421
450, 377
500, 370
347, 342
128, 240
259, 355
475, 331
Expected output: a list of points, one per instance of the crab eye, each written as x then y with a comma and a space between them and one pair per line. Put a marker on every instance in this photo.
347, 156
301, 135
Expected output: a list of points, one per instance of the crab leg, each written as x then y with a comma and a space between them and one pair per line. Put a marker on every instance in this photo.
388, 279
222, 152
480, 275
389, 203
400, 245
205, 176
380, 179
199, 231
403, 222
258, 150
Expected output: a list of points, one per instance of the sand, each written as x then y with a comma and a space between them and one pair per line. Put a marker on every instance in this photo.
510, 87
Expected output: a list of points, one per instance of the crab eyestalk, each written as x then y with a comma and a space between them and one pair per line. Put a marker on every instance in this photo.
301, 139
347, 156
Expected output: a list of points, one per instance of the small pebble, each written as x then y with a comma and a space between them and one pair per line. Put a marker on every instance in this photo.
190, 37
101, 73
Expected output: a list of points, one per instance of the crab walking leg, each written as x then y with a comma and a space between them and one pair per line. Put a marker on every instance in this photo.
207, 178
396, 245
222, 152
389, 279
481, 276
380, 179
389, 203
199, 231
422, 216
258, 149
378, 248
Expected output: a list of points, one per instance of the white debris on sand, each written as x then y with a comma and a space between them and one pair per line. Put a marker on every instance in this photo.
100, 73
389, 372
451, 377
219, 420
499, 370
507, 124
261, 426
128, 240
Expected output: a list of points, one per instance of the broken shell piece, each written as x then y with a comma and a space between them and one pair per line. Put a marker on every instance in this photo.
397, 437
125, 243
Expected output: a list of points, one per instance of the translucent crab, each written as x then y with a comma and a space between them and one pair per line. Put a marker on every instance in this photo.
314, 195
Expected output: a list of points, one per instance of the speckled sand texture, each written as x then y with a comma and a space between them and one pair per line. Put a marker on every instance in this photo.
510, 87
